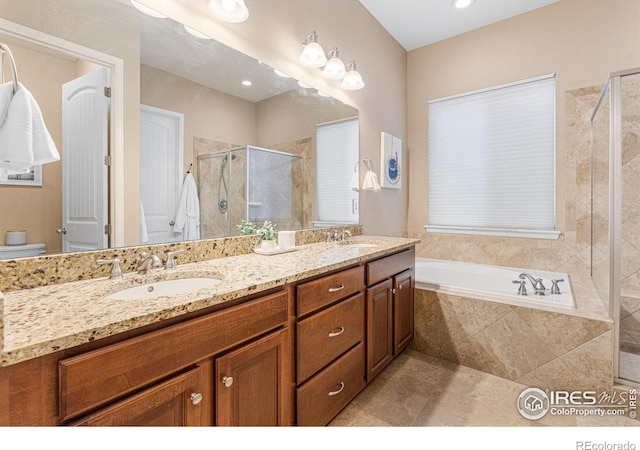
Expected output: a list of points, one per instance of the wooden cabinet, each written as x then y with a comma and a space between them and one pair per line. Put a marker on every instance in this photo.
250, 383
390, 312
330, 357
175, 402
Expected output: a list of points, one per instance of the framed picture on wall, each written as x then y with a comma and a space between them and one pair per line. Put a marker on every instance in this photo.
33, 178
390, 161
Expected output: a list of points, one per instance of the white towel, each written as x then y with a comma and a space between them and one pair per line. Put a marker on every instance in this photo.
24, 138
144, 235
187, 222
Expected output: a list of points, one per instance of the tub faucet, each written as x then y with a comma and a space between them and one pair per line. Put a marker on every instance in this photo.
536, 282
147, 263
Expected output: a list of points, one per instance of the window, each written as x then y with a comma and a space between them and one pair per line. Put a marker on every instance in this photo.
492, 161
337, 153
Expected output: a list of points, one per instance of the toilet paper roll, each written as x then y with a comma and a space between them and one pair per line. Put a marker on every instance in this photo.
286, 239
15, 237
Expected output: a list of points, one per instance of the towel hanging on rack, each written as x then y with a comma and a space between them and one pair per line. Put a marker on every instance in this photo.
24, 139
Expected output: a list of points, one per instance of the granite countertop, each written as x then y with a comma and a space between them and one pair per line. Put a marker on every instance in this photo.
46, 319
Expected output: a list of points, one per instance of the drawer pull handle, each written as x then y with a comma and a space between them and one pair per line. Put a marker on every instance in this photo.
196, 398
227, 381
332, 393
337, 289
336, 333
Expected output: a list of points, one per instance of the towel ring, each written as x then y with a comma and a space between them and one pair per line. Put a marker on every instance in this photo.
4, 49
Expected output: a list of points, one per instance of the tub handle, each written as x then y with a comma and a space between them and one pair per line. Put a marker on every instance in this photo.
522, 290
555, 290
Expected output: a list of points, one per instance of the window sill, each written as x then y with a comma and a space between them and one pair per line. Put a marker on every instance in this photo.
533, 234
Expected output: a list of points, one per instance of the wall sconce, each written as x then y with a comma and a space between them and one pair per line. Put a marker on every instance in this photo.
352, 81
234, 11
370, 181
334, 69
312, 53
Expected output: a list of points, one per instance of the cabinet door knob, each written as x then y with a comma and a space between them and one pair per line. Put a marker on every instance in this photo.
196, 398
341, 287
336, 333
227, 381
332, 393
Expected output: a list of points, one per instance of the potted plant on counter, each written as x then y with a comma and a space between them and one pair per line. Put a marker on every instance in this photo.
246, 228
268, 234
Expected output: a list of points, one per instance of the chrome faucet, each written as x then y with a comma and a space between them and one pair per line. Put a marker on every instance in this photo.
536, 282
147, 263
344, 233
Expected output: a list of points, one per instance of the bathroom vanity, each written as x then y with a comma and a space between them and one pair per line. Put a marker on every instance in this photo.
289, 339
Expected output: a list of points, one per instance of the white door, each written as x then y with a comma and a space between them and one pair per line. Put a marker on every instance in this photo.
161, 156
85, 141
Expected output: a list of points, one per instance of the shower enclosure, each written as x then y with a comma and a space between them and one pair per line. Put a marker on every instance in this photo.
249, 183
615, 214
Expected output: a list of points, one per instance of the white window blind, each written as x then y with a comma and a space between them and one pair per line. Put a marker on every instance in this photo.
492, 160
337, 153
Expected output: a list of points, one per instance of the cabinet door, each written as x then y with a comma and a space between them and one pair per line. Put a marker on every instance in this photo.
402, 311
379, 328
175, 402
251, 383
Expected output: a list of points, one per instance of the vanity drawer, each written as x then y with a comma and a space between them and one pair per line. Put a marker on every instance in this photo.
322, 397
315, 294
386, 267
94, 378
324, 336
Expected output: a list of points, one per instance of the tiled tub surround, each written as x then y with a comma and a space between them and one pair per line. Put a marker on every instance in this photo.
46, 319
533, 346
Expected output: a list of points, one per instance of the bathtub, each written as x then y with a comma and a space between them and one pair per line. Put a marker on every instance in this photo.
494, 283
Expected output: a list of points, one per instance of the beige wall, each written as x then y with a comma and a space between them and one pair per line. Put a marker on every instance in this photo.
38, 209
581, 41
274, 33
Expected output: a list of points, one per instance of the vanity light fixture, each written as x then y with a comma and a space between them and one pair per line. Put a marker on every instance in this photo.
352, 81
304, 85
461, 4
196, 33
234, 11
148, 11
312, 54
334, 69
322, 94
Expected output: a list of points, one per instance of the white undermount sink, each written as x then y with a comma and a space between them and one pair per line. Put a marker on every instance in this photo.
361, 245
163, 288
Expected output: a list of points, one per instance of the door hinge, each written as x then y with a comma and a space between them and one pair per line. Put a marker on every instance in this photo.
107, 92
107, 160
107, 229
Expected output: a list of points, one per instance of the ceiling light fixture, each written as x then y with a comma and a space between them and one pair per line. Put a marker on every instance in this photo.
461, 4
148, 11
334, 69
234, 11
312, 53
352, 81
195, 33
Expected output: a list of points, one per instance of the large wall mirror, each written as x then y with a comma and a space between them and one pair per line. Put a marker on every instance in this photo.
253, 148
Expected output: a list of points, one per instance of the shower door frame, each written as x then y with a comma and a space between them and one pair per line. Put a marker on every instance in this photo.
614, 86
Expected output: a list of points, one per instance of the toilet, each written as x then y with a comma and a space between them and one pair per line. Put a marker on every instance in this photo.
21, 251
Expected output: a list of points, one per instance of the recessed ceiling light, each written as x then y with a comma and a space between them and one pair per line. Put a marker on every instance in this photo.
148, 11
460, 4
281, 74
247, 83
196, 33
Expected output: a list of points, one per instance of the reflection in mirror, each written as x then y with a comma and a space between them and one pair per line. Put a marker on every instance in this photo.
194, 111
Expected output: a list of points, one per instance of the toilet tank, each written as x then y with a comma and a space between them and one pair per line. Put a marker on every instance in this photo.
21, 251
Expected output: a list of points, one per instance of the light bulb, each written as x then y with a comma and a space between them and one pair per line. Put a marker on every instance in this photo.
352, 81
312, 54
334, 69
233, 11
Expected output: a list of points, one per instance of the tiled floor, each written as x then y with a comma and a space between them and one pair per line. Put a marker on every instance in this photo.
418, 390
